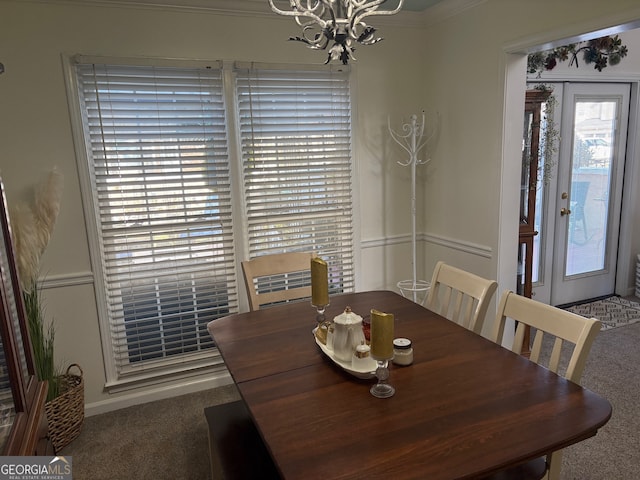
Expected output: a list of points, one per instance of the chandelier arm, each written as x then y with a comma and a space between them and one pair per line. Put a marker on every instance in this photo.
299, 12
312, 38
371, 9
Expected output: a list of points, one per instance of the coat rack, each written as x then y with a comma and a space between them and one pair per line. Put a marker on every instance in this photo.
412, 140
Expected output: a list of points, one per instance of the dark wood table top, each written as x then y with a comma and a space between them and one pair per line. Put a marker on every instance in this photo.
465, 408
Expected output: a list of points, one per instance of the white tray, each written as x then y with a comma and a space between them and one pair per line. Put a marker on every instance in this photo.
365, 371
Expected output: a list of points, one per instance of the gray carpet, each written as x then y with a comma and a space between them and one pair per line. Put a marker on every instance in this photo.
613, 371
167, 439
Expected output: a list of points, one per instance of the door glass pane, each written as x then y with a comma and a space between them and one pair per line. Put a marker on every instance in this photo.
525, 179
592, 156
545, 162
536, 270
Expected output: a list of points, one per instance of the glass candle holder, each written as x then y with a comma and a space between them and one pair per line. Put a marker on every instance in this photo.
382, 352
320, 309
382, 389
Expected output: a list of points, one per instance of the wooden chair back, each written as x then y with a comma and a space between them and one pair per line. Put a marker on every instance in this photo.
572, 337
277, 278
460, 296
546, 321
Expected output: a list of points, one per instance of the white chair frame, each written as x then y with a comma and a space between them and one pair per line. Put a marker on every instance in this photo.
460, 296
564, 326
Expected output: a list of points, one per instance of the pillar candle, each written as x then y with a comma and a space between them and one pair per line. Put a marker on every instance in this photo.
381, 335
319, 282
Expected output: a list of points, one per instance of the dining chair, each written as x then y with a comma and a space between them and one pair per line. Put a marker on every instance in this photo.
572, 337
236, 449
277, 278
460, 296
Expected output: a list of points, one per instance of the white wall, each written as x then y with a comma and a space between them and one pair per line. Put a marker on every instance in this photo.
36, 132
471, 60
456, 67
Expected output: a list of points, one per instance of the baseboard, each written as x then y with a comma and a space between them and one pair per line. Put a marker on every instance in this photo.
194, 384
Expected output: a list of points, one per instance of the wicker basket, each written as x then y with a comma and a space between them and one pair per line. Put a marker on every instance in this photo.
65, 413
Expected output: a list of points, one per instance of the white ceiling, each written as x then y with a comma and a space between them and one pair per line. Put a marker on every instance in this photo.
414, 12
409, 5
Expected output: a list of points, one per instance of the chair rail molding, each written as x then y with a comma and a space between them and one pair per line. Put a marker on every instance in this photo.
66, 280
479, 250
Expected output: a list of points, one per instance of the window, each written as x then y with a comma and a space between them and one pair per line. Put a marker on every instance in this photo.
170, 227
160, 175
296, 150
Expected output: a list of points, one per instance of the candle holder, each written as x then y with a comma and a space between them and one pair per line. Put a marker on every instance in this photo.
382, 351
320, 309
382, 389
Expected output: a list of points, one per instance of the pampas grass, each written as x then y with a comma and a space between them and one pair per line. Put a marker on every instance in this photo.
32, 228
33, 225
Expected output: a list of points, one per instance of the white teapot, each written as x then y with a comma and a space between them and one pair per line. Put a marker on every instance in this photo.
347, 334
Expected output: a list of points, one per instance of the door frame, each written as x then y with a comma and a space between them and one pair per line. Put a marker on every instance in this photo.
514, 62
542, 289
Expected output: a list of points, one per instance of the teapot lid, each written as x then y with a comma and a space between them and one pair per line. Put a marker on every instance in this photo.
348, 317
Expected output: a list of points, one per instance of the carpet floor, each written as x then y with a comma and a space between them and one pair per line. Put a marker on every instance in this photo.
613, 312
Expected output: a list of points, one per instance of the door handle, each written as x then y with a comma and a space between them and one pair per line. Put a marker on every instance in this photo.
564, 211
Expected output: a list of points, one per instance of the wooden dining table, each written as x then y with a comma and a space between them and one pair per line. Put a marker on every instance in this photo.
465, 408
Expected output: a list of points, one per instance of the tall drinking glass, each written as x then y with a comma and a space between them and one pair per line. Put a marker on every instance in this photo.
382, 351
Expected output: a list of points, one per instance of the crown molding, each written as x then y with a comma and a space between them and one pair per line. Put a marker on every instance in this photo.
432, 15
574, 32
226, 7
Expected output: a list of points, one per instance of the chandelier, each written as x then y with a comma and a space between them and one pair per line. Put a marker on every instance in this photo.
339, 22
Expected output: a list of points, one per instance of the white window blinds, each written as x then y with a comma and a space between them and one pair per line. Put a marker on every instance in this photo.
295, 129
160, 174
157, 143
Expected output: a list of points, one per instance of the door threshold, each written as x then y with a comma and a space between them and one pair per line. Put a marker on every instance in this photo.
582, 302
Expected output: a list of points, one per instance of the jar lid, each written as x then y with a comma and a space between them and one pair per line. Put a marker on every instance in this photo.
363, 348
402, 343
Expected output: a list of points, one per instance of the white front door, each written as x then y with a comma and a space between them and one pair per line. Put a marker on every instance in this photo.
584, 201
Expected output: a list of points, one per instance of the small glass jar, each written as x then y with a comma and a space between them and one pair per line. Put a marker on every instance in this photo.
402, 351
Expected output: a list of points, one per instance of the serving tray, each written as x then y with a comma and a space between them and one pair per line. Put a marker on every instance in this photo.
365, 371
